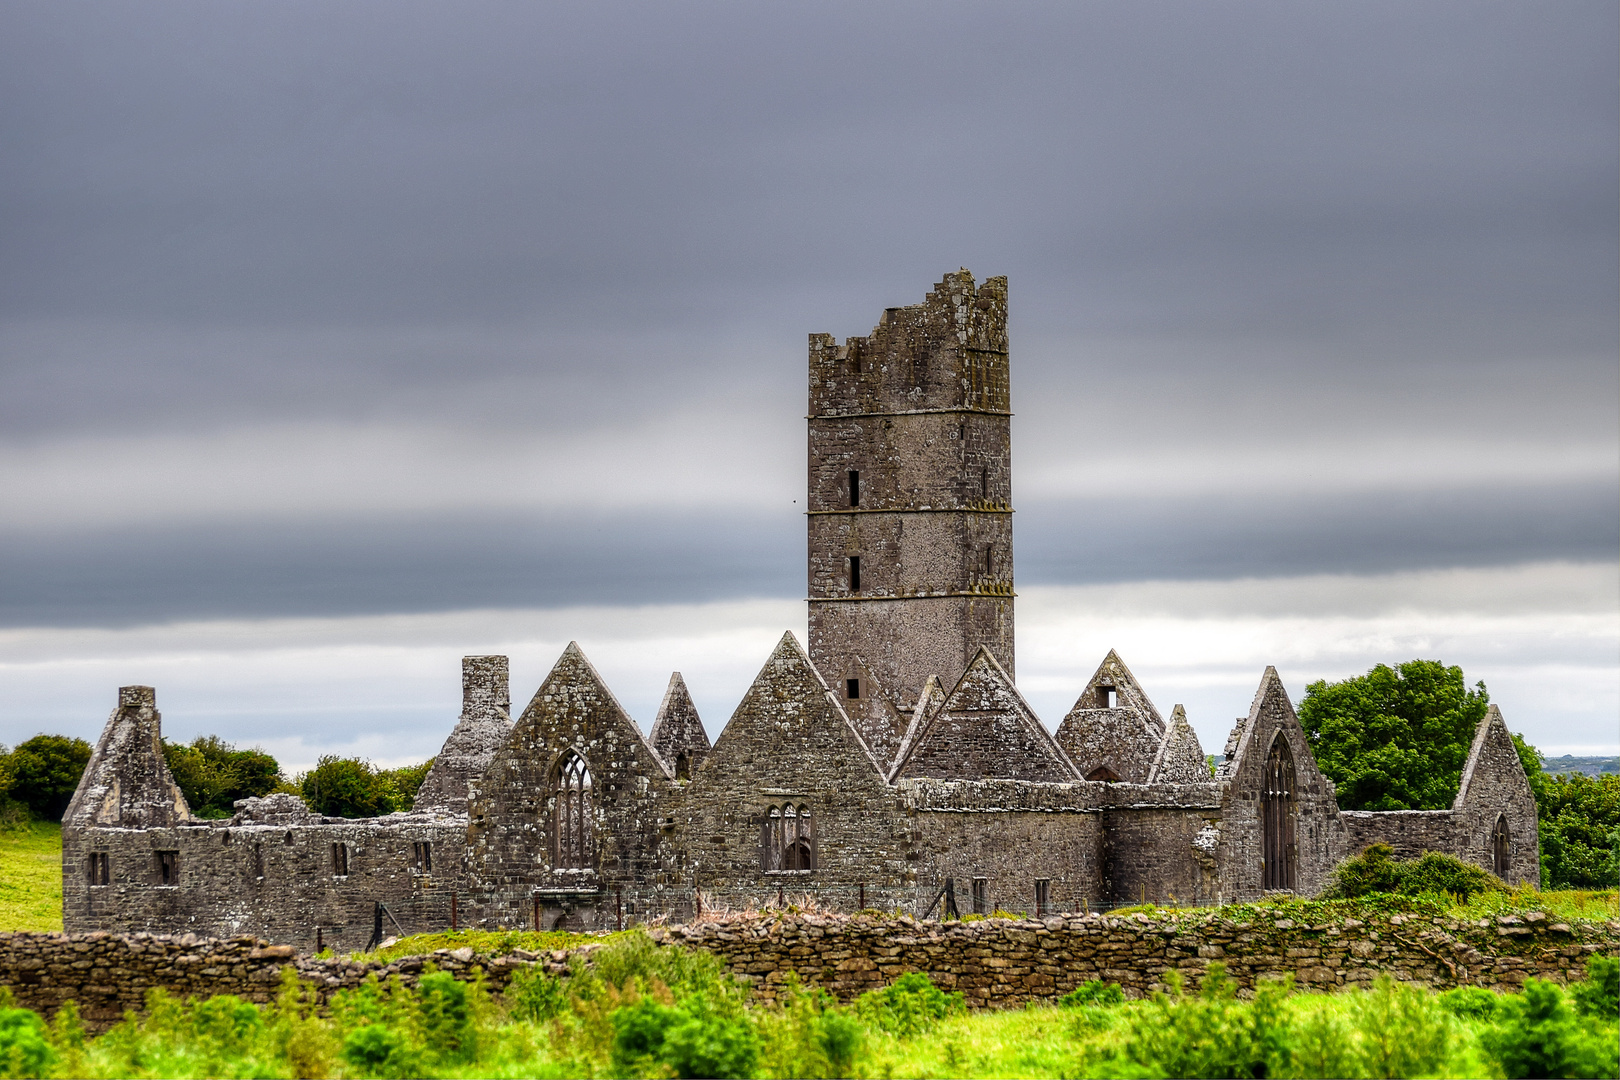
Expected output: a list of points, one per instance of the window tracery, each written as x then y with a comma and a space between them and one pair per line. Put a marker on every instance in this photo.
787, 839
572, 834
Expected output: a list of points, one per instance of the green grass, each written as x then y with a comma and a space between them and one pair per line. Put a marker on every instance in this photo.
482, 942
31, 877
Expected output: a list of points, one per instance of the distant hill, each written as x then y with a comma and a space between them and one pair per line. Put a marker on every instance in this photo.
1591, 766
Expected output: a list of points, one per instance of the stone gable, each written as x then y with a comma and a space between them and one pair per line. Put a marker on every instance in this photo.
677, 735
985, 729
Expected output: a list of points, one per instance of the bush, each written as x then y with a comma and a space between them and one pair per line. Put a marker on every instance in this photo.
1470, 1002
1403, 1031
808, 1035
24, 1048
1376, 870
1210, 1033
909, 1006
1093, 992
694, 1040
1599, 995
1538, 1034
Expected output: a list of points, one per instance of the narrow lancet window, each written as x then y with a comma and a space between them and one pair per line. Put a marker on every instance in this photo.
1277, 816
854, 488
571, 814
1501, 847
854, 573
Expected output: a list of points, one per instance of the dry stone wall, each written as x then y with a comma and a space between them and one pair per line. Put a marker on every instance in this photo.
1005, 962
993, 962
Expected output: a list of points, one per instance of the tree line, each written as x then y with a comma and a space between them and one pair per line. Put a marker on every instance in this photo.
38, 778
1396, 738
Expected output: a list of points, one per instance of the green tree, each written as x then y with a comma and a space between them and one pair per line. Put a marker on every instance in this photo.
348, 787
43, 773
213, 774
1394, 738
1580, 831
406, 781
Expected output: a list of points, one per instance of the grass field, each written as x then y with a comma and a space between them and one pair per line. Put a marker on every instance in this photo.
31, 877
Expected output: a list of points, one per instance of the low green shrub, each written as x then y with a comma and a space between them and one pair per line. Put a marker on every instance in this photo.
907, 1007
809, 1035
1093, 992
1537, 1033
1376, 870
25, 1046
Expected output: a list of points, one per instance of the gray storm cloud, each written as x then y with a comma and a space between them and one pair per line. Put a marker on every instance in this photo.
364, 308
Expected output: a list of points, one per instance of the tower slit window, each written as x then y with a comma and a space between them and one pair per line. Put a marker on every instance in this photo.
854, 573
854, 487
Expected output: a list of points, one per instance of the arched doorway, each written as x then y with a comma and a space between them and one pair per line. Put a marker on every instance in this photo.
1500, 847
1277, 816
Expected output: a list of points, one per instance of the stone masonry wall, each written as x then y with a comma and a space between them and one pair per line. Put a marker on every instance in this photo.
1005, 962
993, 962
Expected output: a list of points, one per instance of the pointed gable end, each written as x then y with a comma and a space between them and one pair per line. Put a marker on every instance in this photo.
1112, 732
791, 714
677, 734
574, 709
1113, 686
983, 730
1181, 758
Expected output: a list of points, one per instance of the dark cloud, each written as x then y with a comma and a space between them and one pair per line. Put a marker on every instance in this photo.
390, 565
565, 215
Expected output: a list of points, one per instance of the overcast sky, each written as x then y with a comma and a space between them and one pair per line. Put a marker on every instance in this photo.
337, 340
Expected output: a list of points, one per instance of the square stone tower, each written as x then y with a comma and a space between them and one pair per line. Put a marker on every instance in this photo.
910, 502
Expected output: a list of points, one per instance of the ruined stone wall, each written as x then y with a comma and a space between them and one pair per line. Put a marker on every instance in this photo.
993, 962
1001, 963
516, 840
1320, 837
1160, 844
1010, 835
1409, 832
484, 724
789, 744
281, 882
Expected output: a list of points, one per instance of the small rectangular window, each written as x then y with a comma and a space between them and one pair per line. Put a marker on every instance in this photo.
168, 867
1043, 896
854, 573
424, 856
854, 488
852, 688
98, 871
340, 860
981, 896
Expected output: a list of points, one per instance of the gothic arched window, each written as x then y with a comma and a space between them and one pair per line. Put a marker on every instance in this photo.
1277, 816
1500, 847
787, 839
571, 814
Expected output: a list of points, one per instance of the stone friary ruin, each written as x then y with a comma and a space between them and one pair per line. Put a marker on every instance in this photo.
894, 756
